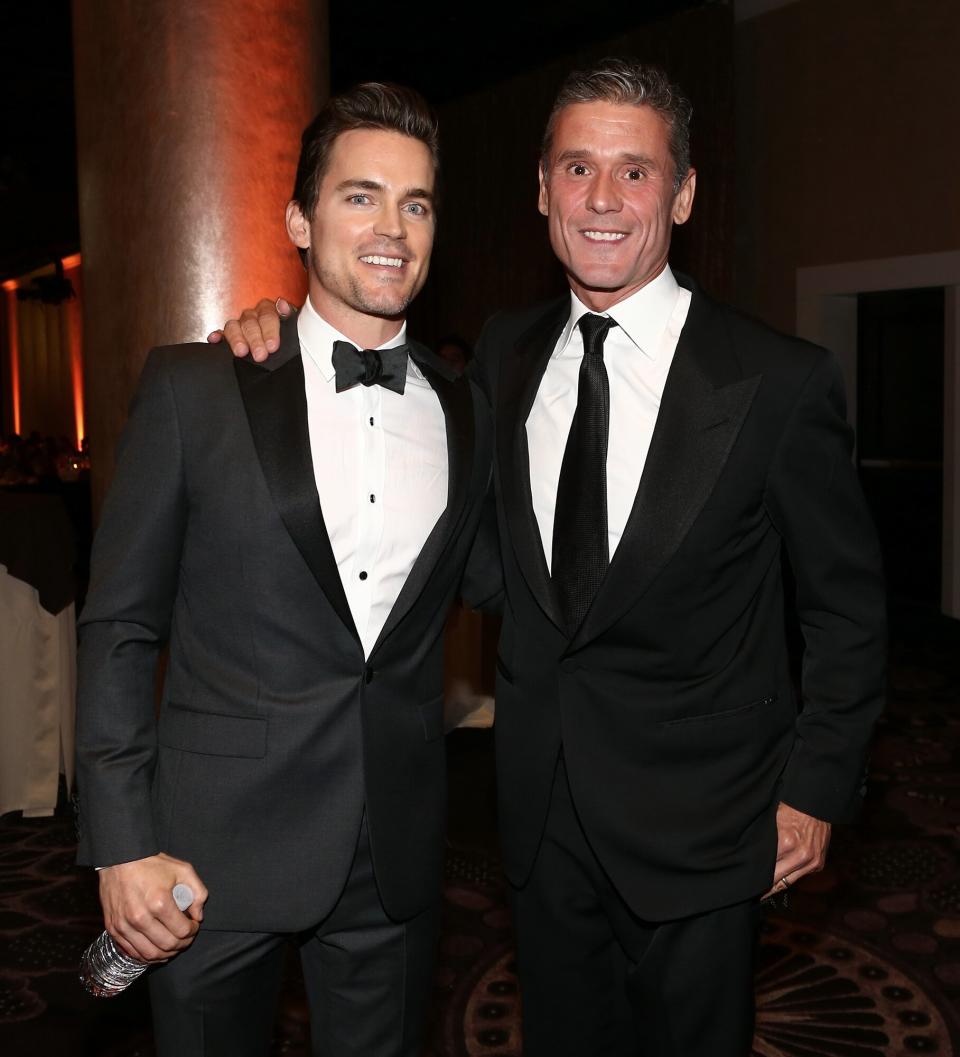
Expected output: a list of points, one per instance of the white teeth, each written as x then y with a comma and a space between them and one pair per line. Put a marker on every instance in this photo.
605, 236
393, 262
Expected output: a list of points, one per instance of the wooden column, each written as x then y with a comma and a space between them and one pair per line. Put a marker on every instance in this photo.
188, 130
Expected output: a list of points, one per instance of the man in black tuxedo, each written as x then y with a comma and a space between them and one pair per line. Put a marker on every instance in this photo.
296, 532
657, 455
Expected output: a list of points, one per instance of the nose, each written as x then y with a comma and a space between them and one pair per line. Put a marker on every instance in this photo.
391, 222
604, 196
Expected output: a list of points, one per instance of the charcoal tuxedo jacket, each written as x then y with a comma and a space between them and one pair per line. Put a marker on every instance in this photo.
673, 699
274, 733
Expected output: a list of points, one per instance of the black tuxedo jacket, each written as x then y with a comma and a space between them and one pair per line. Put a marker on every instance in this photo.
274, 733
673, 700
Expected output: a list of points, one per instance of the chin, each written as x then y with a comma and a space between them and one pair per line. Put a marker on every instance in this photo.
599, 279
385, 306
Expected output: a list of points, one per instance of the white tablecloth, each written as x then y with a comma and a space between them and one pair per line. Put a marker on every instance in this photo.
37, 699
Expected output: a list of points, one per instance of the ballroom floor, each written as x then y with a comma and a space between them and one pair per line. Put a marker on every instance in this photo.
866, 963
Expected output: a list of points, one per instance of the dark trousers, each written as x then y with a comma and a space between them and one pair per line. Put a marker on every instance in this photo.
597, 981
368, 981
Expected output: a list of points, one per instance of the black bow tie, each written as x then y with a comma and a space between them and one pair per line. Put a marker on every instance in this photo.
386, 367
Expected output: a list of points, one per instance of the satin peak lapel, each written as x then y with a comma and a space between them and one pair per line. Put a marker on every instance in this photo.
521, 371
276, 404
456, 400
696, 428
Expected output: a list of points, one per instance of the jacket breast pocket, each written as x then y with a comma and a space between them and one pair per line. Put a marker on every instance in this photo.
431, 716
212, 733
727, 713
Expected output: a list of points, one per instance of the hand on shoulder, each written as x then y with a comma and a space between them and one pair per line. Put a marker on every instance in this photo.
257, 332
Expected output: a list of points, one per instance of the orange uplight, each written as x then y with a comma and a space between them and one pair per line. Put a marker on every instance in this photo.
75, 340
13, 335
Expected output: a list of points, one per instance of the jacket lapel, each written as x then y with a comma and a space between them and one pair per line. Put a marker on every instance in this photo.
456, 400
275, 400
521, 370
705, 402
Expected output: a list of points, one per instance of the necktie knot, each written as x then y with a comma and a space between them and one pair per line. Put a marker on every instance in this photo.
386, 367
594, 329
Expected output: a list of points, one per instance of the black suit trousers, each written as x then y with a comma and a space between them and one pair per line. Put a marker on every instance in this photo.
368, 981
597, 981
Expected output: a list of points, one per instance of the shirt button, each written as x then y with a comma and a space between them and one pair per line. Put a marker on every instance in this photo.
373, 498
363, 576
371, 420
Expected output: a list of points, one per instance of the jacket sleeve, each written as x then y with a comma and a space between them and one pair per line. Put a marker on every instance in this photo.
125, 623
482, 584
814, 498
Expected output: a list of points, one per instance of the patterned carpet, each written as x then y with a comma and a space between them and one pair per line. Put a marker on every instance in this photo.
866, 963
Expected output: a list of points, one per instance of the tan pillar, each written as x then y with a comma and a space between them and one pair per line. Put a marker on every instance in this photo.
188, 130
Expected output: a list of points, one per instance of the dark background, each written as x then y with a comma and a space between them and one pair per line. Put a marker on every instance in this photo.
444, 50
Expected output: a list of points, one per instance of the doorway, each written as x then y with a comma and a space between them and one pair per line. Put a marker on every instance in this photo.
900, 381
883, 311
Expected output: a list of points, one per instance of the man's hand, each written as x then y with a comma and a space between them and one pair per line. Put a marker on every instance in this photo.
802, 842
139, 911
257, 331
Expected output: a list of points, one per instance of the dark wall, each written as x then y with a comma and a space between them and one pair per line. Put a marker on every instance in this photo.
492, 250
847, 117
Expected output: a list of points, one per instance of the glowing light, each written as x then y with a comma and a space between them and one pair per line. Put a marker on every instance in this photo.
75, 349
13, 335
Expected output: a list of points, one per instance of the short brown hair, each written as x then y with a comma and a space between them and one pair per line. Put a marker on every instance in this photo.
629, 83
374, 104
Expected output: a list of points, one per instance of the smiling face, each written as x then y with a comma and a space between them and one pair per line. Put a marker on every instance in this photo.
369, 240
607, 192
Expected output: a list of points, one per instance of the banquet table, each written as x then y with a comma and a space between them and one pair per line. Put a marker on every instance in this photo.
37, 651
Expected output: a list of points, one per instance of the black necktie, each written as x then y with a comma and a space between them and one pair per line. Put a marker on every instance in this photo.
580, 550
386, 367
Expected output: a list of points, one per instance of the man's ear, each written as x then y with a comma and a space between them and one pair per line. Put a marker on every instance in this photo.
683, 199
298, 227
543, 204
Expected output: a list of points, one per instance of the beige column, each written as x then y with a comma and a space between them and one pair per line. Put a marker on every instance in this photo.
188, 130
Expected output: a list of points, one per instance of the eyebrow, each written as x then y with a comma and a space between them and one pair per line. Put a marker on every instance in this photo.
373, 185
580, 153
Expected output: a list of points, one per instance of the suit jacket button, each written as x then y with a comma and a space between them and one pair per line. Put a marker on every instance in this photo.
368, 674
568, 666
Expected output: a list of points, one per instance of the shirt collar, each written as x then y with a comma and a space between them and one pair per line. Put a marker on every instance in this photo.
317, 337
643, 316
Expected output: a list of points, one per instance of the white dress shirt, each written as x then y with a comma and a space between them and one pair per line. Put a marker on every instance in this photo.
380, 463
637, 354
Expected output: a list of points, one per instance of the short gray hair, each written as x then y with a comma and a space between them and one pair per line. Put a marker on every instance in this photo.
629, 83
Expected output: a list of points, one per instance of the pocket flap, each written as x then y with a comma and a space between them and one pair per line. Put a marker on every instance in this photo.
212, 733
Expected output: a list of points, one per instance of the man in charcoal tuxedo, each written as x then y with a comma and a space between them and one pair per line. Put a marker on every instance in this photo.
295, 531
657, 455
